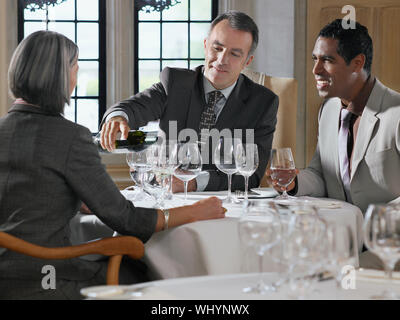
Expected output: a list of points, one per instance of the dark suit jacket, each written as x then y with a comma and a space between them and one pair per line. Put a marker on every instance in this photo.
48, 165
180, 97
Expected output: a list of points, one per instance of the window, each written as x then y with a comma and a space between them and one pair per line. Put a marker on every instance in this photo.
171, 38
82, 21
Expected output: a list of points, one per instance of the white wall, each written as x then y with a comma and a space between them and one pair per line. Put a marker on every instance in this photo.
282, 47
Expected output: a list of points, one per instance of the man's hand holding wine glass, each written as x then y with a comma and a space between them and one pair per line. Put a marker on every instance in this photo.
282, 171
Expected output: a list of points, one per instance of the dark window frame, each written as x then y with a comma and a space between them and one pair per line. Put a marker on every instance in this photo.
102, 59
214, 14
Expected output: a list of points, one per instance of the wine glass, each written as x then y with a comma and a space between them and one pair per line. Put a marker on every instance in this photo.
189, 163
224, 158
283, 170
303, 250
168, 162
260, 229
246, 158
341, 250
381, 231
140, 167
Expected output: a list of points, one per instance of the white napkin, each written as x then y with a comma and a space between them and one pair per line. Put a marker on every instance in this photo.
379, 276
122, 293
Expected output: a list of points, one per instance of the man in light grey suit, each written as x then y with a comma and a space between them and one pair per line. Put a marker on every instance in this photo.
183, 95
358, 152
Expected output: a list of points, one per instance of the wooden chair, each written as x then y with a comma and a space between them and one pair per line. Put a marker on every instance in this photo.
286, 89
114, 247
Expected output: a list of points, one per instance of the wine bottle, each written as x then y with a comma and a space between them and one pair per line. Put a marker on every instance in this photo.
137, 141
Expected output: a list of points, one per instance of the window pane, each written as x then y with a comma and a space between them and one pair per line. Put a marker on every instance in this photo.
88, 40
149, 40
198, 32
62, 11
200, 10
177, 12
65, 28
149, 72
195, 63
88, 9
88, 113
175, 64
69, 111
152, 15
175, 40
31, 27
88, 78
34, 15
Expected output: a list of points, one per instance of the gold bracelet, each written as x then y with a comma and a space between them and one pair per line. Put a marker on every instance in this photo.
166, 218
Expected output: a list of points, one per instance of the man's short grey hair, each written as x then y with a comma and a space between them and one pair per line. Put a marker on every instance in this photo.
239, 21
40, 70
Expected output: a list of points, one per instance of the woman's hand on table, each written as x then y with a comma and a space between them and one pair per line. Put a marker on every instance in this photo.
210, 208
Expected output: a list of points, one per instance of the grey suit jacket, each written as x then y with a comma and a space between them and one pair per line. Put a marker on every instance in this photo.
375, 171
48, 166
180, 97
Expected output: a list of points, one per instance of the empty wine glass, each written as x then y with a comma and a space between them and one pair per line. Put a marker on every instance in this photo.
303, 250
189, 163
140, 166
382, 236
341, 250
283, 170
168, 162
246, 159
224, 158
260, 229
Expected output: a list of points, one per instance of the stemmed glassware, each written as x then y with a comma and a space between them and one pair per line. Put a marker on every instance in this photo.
303, 249
224, 158
246, 159
260, 229
341, 250
283, 170
158, 185
168, 162
140, 170
381, 231
189, 163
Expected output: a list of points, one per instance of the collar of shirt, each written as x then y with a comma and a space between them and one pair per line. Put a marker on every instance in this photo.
358, 104
208, 87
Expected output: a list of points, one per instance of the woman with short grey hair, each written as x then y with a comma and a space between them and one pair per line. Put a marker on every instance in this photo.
49, 167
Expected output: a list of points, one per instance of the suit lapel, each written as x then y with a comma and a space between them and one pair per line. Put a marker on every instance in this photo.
197, 103
233, 106
367, 125
333, 108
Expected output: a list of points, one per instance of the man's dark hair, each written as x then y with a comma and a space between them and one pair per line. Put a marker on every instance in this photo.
239, 21
351, 42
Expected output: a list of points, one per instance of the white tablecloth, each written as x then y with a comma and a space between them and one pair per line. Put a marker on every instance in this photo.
202, 248
229, 287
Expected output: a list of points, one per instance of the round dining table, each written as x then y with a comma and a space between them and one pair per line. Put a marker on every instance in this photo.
210, 247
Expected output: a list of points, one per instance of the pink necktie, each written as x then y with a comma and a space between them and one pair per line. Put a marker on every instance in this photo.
345, 117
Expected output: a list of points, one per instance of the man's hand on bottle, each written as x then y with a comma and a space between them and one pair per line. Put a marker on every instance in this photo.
110, 130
